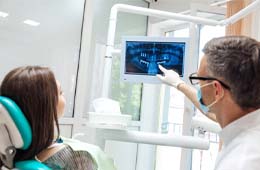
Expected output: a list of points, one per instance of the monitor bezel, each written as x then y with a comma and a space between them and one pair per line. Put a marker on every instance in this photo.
147, 78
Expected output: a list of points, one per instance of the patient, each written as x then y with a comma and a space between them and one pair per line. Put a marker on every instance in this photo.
38, 94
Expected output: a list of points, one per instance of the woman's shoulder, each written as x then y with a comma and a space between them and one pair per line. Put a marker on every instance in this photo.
67, 158
104, 162
81, 150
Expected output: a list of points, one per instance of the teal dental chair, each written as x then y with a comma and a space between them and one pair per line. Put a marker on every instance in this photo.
15, 133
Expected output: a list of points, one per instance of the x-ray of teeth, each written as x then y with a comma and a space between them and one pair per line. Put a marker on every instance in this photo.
144, 57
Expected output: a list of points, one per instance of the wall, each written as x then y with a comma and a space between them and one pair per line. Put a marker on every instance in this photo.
54, 43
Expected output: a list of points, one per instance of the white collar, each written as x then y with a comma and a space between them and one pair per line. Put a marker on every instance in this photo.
246, 122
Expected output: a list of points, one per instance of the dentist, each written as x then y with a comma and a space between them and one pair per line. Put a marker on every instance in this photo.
228, 81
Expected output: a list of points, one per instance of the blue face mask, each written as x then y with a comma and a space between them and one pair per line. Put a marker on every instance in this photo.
203, 107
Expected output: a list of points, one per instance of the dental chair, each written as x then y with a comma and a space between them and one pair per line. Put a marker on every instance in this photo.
15, 133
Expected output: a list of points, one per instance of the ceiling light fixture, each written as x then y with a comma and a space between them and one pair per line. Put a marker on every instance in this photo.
3, 14
31, 23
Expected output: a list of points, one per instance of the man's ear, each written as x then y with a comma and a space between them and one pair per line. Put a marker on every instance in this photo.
219, 91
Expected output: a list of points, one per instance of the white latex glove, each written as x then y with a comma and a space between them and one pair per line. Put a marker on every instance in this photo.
170, 77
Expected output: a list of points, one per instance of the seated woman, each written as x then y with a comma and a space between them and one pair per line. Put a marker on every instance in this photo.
38, 94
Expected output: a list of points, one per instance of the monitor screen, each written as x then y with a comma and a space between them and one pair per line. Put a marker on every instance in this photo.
142, 55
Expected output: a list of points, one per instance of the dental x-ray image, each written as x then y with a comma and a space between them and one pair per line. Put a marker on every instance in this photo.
143, 58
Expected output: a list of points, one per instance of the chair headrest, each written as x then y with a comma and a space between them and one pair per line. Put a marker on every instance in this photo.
15, 131
18, 127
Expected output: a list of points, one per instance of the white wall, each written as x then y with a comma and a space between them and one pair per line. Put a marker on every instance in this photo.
54, 43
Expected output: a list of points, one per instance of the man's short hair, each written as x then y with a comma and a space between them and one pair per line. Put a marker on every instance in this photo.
235, 60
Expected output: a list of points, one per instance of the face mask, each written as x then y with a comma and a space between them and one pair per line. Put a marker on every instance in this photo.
203, 107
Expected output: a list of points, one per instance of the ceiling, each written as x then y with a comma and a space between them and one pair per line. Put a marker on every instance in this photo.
172, 3
203, 7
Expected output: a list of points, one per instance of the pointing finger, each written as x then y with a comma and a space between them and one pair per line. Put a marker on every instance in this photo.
162, 68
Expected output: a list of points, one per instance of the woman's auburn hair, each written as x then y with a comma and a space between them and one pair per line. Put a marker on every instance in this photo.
34, 89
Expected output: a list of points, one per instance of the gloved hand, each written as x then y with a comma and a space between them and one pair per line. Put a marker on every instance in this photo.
170, 77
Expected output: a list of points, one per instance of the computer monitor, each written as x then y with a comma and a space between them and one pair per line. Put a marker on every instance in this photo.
142, 55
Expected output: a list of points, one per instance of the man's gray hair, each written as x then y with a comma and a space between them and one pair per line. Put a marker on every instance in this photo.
236, 61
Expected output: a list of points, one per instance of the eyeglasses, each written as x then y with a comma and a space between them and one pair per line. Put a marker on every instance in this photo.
194, 80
